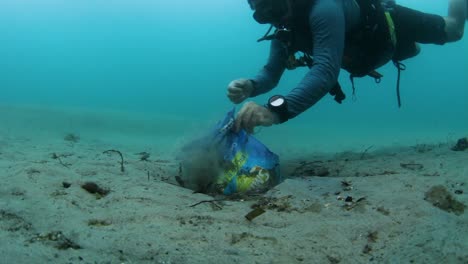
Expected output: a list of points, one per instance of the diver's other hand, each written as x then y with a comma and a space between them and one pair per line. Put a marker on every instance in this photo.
252, 115
239, 90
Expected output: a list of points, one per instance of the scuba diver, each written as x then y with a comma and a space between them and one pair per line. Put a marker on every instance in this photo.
358, 36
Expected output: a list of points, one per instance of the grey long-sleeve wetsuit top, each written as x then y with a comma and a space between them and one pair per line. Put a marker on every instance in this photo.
329, 21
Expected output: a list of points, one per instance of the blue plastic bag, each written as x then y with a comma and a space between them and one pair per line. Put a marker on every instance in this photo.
230, 162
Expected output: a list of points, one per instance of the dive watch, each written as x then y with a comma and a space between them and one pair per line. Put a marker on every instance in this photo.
278, 105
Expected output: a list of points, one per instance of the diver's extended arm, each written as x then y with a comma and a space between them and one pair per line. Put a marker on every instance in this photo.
271, 73
327, 24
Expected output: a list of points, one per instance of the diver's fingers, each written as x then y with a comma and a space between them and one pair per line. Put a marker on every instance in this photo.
235, 90
255, 120
243, 116
238, 122
236, 99
249, 120
236, 84
236, 94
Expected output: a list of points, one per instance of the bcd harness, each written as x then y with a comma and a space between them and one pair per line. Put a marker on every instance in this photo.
375, 35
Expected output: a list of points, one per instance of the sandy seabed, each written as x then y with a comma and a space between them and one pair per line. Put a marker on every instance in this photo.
64, 200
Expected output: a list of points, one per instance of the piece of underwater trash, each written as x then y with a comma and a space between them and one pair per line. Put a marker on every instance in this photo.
223, 161
254, 213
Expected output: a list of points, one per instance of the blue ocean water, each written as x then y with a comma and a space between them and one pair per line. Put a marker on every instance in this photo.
175, 59
142, 75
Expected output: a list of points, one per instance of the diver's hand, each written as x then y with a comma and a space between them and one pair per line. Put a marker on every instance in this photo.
239, 90
252, 115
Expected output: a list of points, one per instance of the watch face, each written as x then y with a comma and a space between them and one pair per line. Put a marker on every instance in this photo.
277, 101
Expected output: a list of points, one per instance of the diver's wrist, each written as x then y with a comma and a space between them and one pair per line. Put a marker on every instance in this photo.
253, 87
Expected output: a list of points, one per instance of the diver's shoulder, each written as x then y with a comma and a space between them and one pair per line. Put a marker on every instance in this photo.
326, 7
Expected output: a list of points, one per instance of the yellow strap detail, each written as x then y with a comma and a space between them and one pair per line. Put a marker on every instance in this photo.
391, 28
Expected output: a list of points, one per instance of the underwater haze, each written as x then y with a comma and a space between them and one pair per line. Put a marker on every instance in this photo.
146, 59
99, 98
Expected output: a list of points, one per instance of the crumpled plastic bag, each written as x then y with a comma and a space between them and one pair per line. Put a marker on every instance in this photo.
225, 162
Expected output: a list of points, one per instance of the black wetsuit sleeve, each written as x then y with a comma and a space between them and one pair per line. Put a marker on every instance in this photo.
271, 73
327, 24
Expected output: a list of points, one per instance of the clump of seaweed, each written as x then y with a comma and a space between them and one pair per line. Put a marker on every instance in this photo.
311, 168
122, 168
12, 222
412, 166
95, 189
350, 203
57, 239
58, 157
371, 238
99, 223
441, 198
144, 156
281, 204
423, 148
71, 137
462, 144
383, 210
32, 171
